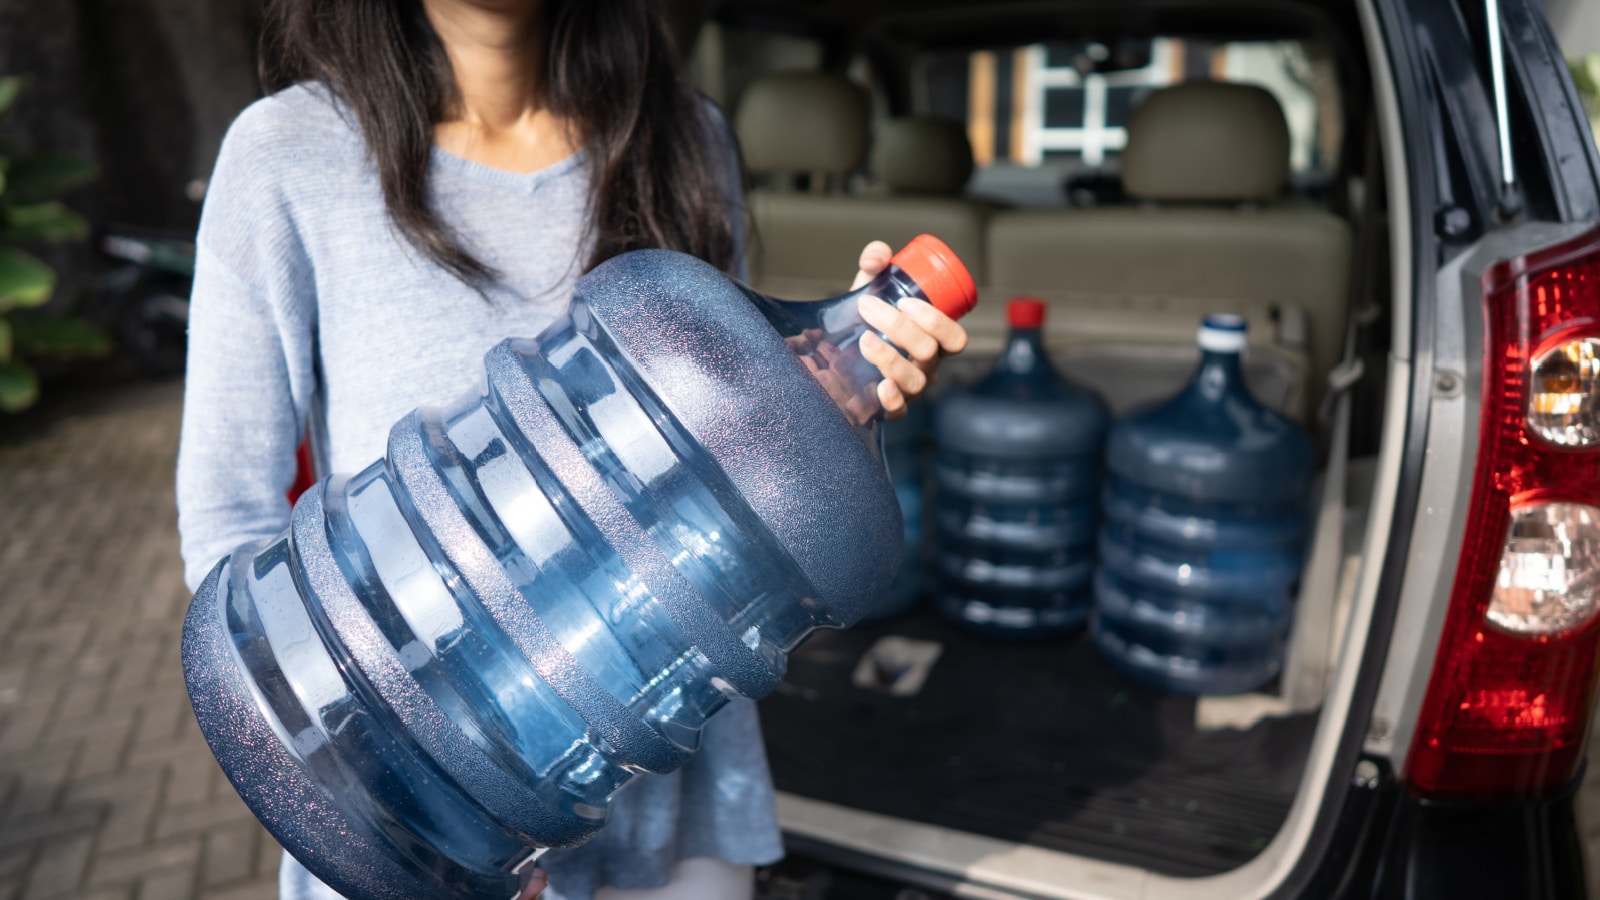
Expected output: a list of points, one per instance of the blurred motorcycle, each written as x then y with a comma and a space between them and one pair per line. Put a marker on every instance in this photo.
146, 297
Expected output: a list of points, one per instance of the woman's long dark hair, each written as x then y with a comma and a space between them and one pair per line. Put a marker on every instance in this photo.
610, 70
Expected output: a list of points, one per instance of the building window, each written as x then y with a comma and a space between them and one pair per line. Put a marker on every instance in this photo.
1041, 104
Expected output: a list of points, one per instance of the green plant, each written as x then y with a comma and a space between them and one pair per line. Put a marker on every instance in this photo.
31, 213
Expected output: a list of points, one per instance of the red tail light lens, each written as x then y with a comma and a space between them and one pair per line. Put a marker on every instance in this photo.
1507, 706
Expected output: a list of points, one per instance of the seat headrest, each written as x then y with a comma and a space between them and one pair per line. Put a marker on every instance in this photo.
803, 122
922, 155
1207, 141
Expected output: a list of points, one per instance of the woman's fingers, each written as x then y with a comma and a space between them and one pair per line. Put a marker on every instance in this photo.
891, 399
533, 884
948, 332
909, 380
874, 259
903, 331
922, 334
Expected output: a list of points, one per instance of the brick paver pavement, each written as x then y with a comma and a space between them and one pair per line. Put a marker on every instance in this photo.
107, 791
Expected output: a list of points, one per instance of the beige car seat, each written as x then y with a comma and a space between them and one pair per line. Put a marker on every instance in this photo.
1207, 163
806, 244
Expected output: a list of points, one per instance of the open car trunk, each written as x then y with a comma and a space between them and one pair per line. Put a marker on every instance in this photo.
915, 750
911, 722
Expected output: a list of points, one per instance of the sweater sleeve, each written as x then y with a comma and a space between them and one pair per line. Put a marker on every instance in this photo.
251, 372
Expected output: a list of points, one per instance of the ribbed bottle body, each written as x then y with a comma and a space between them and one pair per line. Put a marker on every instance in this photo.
1016, 474
469, 646
1205, 517
459, 654
1195, 596
1015, 549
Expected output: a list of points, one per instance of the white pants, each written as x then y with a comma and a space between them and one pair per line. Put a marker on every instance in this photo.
692, 879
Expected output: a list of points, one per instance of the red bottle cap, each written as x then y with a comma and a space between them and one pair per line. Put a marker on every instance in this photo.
1025, 312
939, 272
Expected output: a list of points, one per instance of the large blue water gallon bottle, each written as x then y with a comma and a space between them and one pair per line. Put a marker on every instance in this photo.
1017, 470
459, 654
1205, 517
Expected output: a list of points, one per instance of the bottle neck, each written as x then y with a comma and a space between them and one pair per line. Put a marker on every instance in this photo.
837, 315
891, 286
1025, 353
826, 335
1219, 375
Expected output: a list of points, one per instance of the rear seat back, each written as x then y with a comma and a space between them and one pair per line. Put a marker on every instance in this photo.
812, 123
1207, 163
807, 244
922, 156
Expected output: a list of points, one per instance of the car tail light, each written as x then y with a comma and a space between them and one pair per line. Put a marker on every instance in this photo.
1508, 703
305, 474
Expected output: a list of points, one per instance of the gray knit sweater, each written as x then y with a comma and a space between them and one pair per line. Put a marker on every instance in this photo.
302, 284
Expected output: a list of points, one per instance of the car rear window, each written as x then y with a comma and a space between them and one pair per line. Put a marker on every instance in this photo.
1047, 114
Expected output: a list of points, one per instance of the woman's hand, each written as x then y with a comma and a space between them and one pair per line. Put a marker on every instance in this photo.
537, 880
925, 334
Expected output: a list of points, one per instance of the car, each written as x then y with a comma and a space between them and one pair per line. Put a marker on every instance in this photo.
1421, 276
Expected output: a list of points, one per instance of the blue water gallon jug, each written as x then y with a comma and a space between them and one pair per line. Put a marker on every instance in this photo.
1017, 470
1205, 516
905, 445
459, 654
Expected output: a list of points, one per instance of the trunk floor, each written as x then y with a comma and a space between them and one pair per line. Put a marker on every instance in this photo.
1038, 743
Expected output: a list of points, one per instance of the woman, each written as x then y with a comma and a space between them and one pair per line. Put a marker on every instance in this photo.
430, 178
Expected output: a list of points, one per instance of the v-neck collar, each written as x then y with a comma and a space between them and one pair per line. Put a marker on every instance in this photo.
524, 181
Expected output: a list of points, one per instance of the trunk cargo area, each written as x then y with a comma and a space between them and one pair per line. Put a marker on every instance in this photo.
1038, 743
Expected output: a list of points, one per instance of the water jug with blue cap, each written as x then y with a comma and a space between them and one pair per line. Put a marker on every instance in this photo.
1205, 513
457, 656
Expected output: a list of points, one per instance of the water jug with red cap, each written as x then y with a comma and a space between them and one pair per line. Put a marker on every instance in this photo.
457, 655
1017, 470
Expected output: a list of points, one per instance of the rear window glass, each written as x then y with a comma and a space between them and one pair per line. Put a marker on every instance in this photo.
1054, 110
